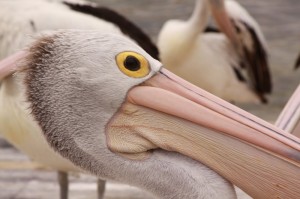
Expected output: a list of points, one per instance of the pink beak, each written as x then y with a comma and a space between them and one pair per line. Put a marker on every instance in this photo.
169, 113
289, 119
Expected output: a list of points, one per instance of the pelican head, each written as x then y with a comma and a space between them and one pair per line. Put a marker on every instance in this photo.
104, 104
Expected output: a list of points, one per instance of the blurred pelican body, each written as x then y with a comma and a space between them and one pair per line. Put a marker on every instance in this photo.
234, 69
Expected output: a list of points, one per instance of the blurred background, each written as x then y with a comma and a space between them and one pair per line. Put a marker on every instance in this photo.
279, 21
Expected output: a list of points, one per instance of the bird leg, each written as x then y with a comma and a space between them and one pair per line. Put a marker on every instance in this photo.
100, 188
63, 184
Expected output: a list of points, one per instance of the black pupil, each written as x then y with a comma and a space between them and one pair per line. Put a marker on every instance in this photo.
132, 63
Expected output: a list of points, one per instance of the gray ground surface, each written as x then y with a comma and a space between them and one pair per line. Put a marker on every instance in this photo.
279, 20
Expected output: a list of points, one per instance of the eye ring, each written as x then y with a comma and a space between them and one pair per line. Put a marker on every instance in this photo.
133, 64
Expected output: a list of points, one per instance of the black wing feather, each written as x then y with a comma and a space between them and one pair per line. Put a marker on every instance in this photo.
126, 26
297, 65
256, 62
211, 29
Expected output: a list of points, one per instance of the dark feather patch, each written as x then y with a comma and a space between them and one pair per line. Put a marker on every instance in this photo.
239, 75
124, 24
297, 65
211, 29
32, 24
255, 61
36, 68
258, 61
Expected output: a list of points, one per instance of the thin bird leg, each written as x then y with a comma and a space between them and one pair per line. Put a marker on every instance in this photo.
63, 184
100, 188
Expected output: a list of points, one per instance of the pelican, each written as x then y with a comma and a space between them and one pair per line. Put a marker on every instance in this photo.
232, 65
97, 102
36, 16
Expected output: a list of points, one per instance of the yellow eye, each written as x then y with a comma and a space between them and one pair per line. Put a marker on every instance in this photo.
133, 64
